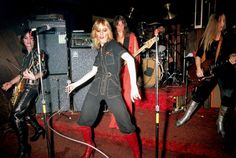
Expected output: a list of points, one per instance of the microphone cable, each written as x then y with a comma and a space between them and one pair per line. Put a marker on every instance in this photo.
69, 138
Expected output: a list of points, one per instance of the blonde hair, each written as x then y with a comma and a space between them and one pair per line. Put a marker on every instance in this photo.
95, 28
211, 31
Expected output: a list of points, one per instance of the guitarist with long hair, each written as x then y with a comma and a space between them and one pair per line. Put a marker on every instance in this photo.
211, 47
28, 79
129, 41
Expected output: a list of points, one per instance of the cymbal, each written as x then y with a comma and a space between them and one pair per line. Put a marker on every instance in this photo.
154, 23
161, 48
169, 15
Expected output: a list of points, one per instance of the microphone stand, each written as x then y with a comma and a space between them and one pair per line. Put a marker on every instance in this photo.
157, 106
43, 99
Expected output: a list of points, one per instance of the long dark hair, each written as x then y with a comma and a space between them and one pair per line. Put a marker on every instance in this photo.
24, 50
126, 28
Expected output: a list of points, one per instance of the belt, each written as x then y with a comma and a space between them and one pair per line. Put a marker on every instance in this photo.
108, 74
32, 82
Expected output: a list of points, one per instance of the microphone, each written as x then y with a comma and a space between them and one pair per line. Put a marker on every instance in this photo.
67, 83
41, 28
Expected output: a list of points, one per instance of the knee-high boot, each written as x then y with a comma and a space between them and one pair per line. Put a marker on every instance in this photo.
220, 123
24, 147
133, 142
192, 107
38, 129
87, 135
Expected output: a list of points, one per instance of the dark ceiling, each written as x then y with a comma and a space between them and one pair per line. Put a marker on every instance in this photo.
78, 13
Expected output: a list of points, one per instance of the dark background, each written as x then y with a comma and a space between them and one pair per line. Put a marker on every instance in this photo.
78, 13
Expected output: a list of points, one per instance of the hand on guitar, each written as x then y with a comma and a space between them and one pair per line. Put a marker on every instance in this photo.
232, 58
199, 73
6, 86
9, 84
27, 74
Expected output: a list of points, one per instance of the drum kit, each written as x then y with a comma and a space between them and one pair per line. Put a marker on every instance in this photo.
149, 60
166, 53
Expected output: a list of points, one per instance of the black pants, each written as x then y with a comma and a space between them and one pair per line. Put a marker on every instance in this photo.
23, 104
203, 90
226, 79
19, 113
91, 107
227, 85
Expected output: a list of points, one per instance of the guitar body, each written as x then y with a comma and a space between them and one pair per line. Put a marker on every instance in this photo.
206, 66
18, 89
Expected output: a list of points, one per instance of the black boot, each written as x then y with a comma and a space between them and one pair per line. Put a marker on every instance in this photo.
220, 123
24, 147
192, 107
38, 129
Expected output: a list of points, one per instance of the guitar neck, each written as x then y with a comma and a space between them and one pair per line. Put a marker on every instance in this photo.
140, 50
146, 45
216, 65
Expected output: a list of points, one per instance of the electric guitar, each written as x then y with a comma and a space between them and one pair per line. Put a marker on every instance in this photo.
208, 68
147, 44
18, 89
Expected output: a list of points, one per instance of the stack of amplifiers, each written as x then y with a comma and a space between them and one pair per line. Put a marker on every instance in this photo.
80, 40
54, 43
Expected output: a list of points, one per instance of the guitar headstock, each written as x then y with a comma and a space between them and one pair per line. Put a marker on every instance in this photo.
150, 42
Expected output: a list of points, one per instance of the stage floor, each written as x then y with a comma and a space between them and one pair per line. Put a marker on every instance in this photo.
196, 139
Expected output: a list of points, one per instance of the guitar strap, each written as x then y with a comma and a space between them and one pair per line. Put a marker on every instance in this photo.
218, 49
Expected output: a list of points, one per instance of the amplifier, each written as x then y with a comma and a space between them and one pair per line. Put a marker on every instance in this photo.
80, 40
54, 43
48, 17
57, 26
81, 62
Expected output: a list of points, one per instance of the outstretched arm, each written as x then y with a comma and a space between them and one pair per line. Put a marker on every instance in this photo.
132, 72
72, 86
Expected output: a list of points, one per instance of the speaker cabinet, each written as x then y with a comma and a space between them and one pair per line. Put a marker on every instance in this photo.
54, 94
81, 62
53, 42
